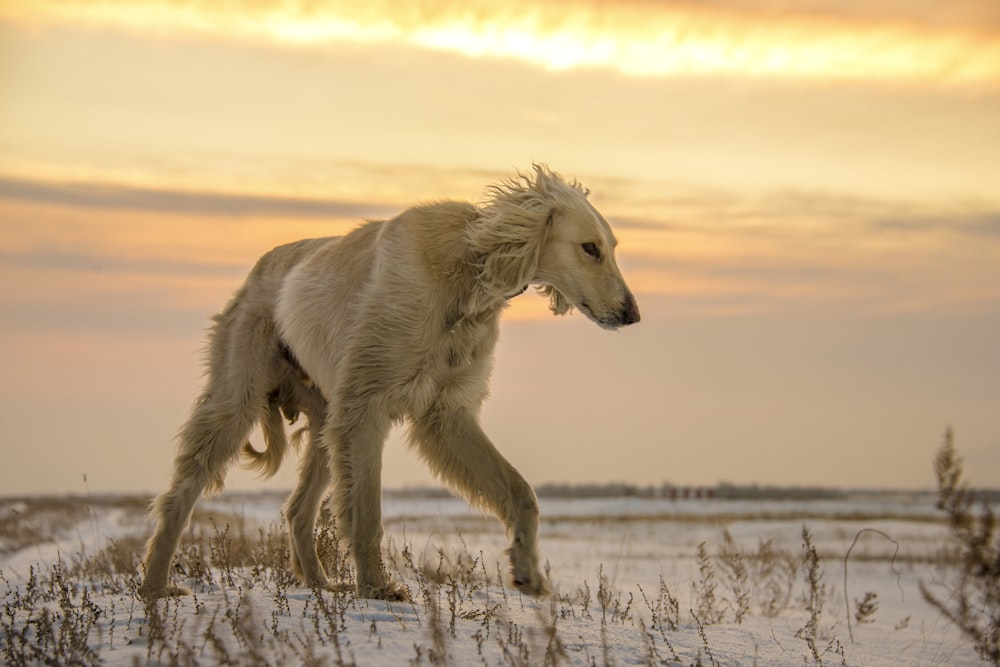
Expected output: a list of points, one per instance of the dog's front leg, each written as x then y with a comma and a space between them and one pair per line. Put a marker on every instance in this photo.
357, 468
458, 450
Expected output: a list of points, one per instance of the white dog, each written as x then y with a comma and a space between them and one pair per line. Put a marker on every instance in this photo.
396, 320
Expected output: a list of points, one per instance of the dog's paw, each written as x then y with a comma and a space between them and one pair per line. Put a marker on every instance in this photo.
389, 590
150, 593
524, 571
533, 584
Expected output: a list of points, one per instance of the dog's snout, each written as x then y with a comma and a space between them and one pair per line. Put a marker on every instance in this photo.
630, 311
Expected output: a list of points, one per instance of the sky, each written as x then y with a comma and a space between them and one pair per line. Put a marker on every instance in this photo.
806, 196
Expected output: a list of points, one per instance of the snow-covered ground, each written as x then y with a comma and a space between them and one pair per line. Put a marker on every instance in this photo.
617, 565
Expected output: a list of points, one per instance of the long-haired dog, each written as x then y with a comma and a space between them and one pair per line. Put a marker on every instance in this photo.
395, 321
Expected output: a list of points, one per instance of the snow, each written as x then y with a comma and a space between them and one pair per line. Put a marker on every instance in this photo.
608, 559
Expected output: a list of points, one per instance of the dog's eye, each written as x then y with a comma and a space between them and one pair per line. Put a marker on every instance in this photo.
592, 251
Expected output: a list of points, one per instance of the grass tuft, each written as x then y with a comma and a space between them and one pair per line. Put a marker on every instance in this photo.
972, 598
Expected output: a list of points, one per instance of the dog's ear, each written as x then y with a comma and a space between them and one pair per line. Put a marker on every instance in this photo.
506, 243
507, 238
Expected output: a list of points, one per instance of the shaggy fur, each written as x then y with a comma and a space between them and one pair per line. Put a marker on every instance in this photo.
395, 321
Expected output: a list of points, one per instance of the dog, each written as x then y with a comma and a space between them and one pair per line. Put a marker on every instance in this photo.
395, 321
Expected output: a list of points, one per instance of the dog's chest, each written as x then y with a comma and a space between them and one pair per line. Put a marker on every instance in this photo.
468, 341
456, 365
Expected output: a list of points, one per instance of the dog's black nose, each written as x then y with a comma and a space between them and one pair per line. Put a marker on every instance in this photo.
630, 311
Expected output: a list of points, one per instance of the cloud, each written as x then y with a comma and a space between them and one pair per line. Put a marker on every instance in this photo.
92, 260
710, 250
789, 249
119, 197
984, 224
118, 260
788, 212
857, 40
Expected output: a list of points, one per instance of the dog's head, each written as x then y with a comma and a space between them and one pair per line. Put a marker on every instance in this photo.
539, 230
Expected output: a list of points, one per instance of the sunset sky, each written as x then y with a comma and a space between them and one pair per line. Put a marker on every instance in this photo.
806, 195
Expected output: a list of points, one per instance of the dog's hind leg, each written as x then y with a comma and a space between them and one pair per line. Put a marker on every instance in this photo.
457, 450
303, 504
243, 350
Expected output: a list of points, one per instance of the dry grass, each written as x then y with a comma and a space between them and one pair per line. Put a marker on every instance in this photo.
66, 609
972, 598
248, 610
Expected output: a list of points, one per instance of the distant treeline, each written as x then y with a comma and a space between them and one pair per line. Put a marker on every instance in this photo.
722, 491
729, 491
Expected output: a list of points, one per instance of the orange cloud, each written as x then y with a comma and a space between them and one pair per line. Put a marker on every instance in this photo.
77, 245
738, 37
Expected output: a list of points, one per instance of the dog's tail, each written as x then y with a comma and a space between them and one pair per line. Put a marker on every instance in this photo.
276, 443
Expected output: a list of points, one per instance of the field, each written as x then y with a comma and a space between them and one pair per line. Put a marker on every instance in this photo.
638, 581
